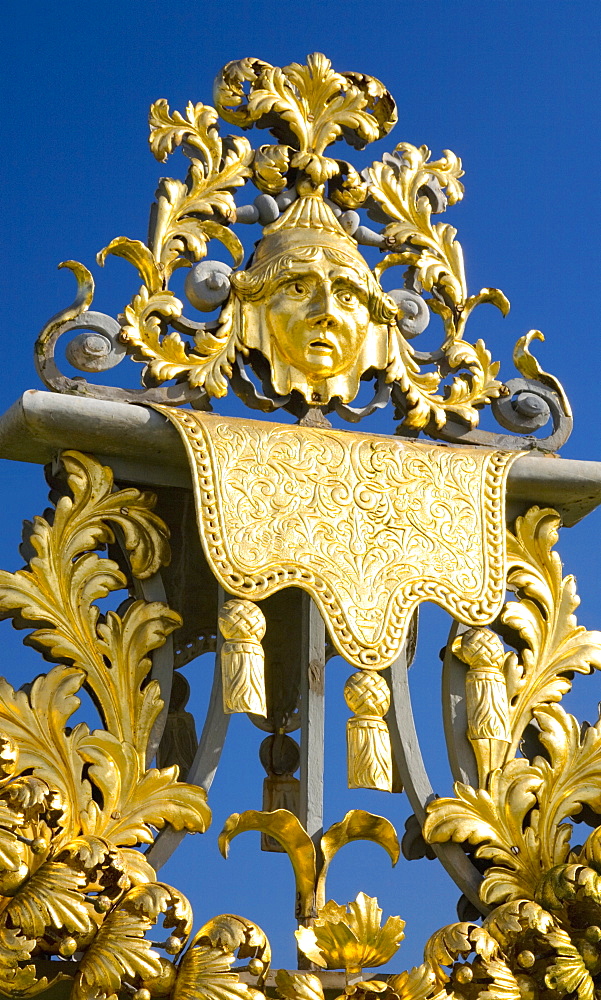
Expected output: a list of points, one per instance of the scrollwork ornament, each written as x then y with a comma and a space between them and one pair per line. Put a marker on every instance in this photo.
311, 319
307, 313
545, 894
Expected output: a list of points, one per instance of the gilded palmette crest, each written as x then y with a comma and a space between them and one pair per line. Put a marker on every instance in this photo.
306, 317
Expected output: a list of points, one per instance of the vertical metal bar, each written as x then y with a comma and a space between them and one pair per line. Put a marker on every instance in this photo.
412, 771
312, 730
208, 754
312, 719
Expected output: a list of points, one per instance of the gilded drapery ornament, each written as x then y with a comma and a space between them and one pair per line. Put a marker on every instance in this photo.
366, 524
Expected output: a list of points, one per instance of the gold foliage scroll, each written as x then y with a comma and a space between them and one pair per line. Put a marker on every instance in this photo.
517, 818
369, 526
74, 803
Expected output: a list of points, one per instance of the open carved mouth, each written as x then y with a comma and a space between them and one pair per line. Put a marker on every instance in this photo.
320, 347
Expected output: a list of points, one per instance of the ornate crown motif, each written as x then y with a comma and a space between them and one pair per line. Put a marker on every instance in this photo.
307, 314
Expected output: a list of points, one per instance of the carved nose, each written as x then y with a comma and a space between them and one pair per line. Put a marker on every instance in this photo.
322, 310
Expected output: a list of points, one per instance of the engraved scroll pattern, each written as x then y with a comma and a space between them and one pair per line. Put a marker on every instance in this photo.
369, 526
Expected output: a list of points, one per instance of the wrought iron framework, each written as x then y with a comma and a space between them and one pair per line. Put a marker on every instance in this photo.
339, 536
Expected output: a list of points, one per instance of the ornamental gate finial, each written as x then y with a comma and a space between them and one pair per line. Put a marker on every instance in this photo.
307, 318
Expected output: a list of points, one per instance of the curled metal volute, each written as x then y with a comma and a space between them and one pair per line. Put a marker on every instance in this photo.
98, 348
531, 402
413, 315
267, 401
264, 209
207, 284
525, 408
562, 423
367, 237
72, 318
380, 400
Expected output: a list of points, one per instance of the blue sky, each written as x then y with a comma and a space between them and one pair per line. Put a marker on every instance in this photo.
512, 88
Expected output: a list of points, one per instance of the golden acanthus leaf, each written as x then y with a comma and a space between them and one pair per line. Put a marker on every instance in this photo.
20, 979
419, 983
204, 973
95, 783
503, 985
423, 404
552, 644
351, 937
365, 989
298, 985
520, 916
133, 798
207, 363
568, 972
51, 898
179, 228
120, 948
308, 107
518, 822
49, 904
356, 825
66, 576
449, 943
286, 828
397, 185
237, 935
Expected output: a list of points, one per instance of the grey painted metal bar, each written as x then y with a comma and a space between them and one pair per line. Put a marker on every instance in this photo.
206, 761
312, 720
143, 447
462, 759
412, 770
312, 712
162, 662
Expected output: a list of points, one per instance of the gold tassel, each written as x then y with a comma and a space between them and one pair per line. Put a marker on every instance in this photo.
242, 625
486, 697
369, 757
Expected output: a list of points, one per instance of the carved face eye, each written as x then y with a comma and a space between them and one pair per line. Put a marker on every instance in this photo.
347, 297
297, 288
